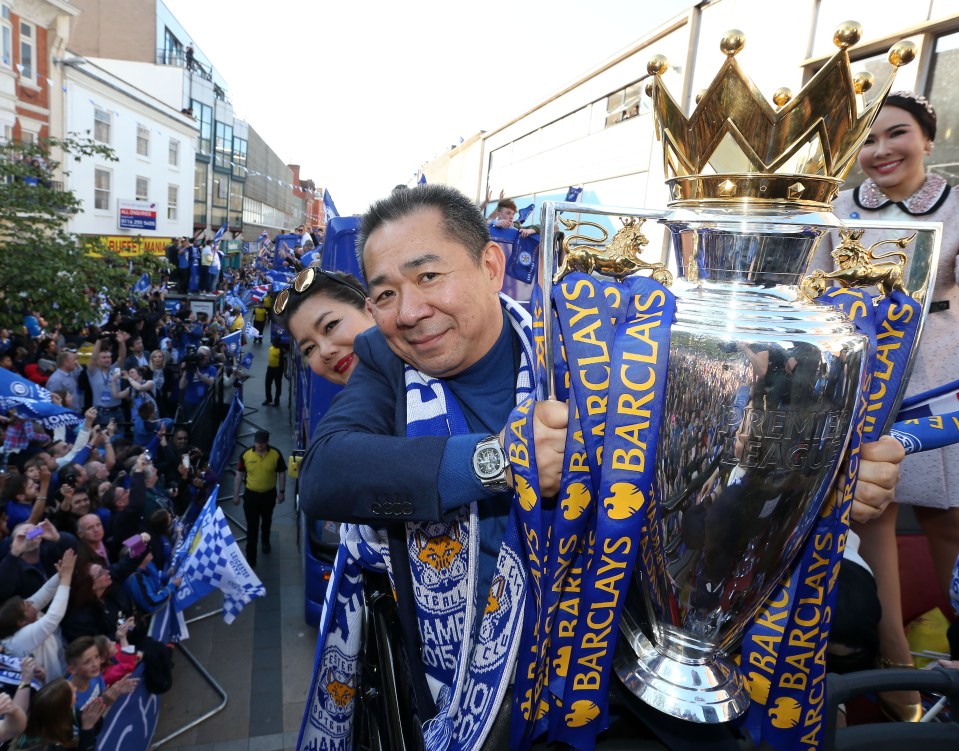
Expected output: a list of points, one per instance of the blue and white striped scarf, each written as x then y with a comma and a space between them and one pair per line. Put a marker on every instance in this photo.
468, 669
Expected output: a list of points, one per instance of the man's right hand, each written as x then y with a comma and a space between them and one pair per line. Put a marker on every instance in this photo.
550, 419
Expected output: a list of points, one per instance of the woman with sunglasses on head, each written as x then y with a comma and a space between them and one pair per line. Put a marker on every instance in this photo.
324, 311
899, 188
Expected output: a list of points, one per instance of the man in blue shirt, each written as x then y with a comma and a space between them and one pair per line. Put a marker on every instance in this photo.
183, 266
195, 381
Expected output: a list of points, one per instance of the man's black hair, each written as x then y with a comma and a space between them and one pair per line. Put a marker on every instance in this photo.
462, 219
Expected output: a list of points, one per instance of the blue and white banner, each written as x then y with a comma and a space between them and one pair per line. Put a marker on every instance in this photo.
233, 342
15, 388
937, 401
329, 208
214, 560
132, 720
523, 214
219, 233
573, 193
143, 284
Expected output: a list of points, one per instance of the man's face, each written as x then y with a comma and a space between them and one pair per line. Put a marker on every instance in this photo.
80, 506
181, 439
136, 346
507, 214
438, 310
104, 359
100, 471
90, 529
70, 364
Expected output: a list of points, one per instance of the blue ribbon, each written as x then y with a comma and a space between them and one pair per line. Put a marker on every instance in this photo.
784, 652
637, 387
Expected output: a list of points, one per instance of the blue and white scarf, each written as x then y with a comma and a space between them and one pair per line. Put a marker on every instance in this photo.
469, 669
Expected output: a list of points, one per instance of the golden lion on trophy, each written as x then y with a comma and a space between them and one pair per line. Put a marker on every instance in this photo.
619, 259
860, 266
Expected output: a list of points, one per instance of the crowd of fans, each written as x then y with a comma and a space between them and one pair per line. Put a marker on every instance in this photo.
89, 516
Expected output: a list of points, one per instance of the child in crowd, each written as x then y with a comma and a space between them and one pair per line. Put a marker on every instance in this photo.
116, 659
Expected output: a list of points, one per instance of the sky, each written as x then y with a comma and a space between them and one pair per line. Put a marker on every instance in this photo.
361, 93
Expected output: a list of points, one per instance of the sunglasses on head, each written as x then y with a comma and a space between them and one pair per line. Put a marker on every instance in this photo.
301, 283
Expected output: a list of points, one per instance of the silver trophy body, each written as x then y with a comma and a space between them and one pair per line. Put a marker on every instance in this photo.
760, 395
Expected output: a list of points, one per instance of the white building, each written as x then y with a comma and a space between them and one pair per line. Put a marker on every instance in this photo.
597, 132
148, 192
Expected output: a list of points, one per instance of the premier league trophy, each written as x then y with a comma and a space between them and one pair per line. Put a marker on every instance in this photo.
763, 382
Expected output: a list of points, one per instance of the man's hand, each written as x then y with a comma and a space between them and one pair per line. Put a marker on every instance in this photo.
527, 231
281, 495
49, 532
549, 438
878, 476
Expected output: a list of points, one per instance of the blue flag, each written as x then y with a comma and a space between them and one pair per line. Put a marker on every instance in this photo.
143, 284
523, 214
573, 193
232, 342
247, 361
15, 389
219, 233
422, 180
329, 208
214, 560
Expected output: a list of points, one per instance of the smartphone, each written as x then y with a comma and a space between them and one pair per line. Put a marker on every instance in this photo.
147, 455
186, 461
34, 533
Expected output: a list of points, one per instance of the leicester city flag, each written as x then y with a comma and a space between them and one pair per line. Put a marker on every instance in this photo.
573, 193
143, 284
523, 214
213, 561
329, 208
422, 180
219, 233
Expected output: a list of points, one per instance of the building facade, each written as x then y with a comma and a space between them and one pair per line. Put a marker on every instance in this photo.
598, 132
269, 204
147, 194
148, 46
33, 37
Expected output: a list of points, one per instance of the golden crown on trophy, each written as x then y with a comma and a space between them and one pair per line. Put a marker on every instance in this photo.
736, 148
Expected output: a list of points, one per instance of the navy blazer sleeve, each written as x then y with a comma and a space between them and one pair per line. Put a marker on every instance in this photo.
360, 467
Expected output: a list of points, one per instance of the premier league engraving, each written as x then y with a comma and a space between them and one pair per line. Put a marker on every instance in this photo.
764, 384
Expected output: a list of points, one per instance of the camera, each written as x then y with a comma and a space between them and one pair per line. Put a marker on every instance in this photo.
191, 359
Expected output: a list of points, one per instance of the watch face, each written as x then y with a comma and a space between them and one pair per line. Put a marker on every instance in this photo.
488, 462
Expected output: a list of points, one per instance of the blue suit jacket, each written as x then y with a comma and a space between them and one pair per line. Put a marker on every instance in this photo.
360, 467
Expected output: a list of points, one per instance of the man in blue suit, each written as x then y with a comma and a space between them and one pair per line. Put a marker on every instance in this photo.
443, 334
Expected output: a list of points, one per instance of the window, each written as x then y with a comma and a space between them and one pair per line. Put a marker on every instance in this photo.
172, 48
940, 89
224, 146
174, 157
204, 116
6, 37
101, 189
239, 158
626, 103
236, 204
200, 173
101, 125
143, 188
172, 196
27, 56
143, 140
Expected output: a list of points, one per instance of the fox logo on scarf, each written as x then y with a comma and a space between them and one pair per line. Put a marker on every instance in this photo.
340, 694
441, 552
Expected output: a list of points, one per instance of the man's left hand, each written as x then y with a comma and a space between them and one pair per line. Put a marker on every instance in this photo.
281, 496
879, 464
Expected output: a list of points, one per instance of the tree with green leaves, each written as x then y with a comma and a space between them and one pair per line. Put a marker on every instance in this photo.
44, 268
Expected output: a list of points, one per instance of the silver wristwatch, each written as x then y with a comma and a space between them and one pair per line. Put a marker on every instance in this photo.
489, 464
